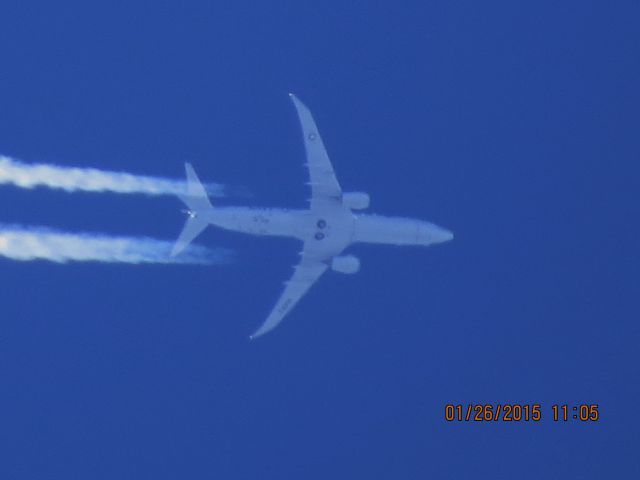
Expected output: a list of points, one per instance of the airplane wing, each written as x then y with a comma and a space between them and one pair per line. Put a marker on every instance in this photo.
325, 189
305, 275
325, 194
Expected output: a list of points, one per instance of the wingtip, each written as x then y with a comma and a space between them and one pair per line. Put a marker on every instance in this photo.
258, 333
255, 335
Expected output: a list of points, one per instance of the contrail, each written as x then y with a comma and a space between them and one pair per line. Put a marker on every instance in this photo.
24, 244
91, 179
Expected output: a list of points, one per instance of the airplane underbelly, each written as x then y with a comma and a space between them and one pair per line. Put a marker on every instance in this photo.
270, 222
329, 233
387, 230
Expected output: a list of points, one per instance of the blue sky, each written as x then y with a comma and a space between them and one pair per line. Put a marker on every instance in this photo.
514, 125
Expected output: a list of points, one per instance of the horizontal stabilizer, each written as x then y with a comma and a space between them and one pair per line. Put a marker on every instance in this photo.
192, 228
195, 196
196, 199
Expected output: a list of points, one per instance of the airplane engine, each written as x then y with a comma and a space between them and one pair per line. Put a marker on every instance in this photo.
356, 200
345, 264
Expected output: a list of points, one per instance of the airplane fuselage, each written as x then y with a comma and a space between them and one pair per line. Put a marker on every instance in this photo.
340, 227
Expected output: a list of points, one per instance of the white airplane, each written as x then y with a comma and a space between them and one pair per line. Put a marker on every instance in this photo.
326, 229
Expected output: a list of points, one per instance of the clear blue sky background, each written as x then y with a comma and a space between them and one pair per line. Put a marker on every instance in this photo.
514, 124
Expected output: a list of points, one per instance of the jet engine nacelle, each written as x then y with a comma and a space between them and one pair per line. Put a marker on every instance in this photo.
345, 264
356, 200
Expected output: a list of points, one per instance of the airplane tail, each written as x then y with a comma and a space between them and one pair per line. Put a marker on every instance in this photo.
197, 201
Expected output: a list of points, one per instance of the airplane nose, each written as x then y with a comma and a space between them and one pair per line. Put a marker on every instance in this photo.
441, 235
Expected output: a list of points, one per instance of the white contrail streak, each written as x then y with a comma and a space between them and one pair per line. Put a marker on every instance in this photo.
90, 179
24, 244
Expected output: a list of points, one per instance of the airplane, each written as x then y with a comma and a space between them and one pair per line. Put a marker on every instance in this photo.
331, 223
